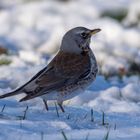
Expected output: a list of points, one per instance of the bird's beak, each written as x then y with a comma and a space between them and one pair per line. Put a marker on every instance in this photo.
94, 31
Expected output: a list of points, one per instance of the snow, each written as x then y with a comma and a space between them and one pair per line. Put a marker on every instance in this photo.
32, 32
48, 22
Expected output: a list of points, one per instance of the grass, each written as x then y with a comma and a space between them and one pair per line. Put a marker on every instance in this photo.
103, 120
56, 108
4, 61
20, 123
134, 69
42, 135
64, 135
118, 15
3, 108
92, 117
85, 116
68, 116
115, 126
87, 136
106, 137
25, 113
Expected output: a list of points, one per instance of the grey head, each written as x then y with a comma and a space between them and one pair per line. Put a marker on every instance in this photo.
77, 40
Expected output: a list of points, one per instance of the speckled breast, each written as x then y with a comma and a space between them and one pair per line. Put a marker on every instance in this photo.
74, 89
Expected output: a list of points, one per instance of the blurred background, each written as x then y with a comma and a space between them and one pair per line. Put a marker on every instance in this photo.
30, 35
31, 32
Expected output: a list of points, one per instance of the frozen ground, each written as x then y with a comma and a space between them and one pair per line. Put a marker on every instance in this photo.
32, 33
120, 103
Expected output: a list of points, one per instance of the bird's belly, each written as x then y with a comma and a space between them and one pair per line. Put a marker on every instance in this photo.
65, 94
70, 91
74, 90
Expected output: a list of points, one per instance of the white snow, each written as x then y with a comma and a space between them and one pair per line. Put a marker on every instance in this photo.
32, 31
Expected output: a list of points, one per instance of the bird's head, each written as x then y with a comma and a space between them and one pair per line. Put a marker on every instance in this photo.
77, 40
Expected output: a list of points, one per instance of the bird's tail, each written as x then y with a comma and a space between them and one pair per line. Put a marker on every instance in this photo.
15, 92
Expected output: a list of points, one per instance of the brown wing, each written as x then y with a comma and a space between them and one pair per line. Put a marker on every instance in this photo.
65, 66
64, 69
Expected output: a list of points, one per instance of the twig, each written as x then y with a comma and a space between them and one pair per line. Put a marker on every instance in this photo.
103, 118
20, 123
42, 136
25, 112
92, 117
64, 135
87, 136
85, 116
3, 108
68, 116
107, 135
56, 110
115, 126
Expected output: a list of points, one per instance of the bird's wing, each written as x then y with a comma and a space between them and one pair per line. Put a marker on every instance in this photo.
64, 69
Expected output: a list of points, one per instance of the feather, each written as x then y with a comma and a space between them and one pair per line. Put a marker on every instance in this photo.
63, 70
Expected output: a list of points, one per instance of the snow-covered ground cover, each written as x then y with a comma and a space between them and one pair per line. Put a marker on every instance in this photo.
32, 32
121, 105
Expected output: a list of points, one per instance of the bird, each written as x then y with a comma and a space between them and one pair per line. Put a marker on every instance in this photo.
69, 73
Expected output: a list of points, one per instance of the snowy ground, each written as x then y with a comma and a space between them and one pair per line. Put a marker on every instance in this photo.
32, 32
120, 103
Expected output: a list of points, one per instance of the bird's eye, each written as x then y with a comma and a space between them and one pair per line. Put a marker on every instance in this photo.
84, 35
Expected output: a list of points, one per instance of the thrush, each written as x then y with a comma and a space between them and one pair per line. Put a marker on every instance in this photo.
69, 73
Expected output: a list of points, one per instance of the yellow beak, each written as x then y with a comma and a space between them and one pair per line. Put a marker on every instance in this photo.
94, 31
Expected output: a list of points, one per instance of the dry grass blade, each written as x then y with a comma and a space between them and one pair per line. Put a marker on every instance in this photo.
42, 135
3, 108
68, 116
25, 112
92, 117
87, 136
107, 135
56, 109
64, 135
103, 118
115, 126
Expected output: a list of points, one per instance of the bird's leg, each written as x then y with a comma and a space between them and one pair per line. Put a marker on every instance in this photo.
46, 105
60, 105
